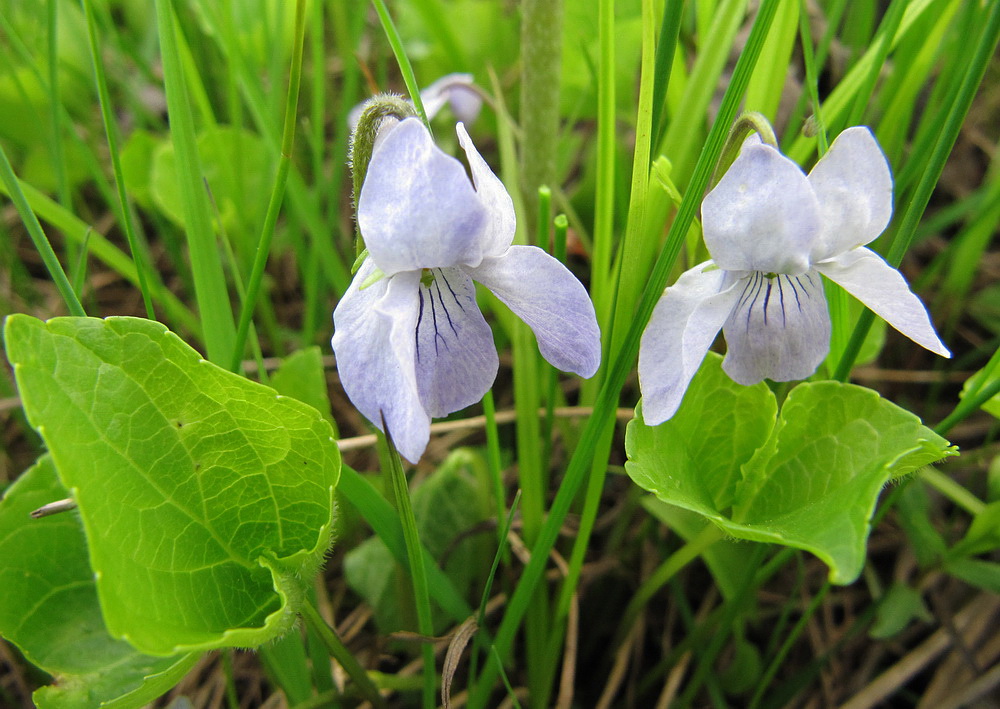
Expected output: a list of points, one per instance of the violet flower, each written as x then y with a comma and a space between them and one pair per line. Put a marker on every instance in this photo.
772, 231
413, 345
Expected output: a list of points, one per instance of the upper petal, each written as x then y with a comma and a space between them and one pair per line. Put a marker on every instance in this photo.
682, 328
866, 276
417, 208
498, 231
779, 329
554, 304
762, 216
456, 358
373, 339
854, 187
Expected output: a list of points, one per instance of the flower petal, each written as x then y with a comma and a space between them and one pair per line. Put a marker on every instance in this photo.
456, 358
457, 90
375, 347
762, 216
554, 304
867, 277
779, 329
417, 208
498, 232
854, 187
682, 328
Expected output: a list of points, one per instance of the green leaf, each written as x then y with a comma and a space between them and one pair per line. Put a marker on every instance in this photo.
448, 503
301, 377
983, 535
812, 484
49, 607
206, 498
983, 574
693, 460
900, 606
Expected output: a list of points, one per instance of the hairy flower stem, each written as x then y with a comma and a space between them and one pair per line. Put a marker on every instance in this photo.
541, 42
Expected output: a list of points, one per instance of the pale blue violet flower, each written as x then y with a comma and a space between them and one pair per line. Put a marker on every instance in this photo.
413, 345
771, 231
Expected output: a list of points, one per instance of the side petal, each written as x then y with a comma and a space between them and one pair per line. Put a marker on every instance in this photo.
374, 342
854, 187
866, 276
762, 216
779, 329
682, 328
456, 358
417, 207
543, 293
498, 232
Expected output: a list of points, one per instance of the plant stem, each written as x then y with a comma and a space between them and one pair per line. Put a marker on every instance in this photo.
415, 561
341, 654
541, 65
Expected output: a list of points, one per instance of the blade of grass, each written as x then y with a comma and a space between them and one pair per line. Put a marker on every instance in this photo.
392, 34
618, 372
111, 133
277, 192
211, 294
41, 242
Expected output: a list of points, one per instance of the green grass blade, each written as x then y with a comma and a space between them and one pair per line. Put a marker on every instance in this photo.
211, 294
277, 192
38, 237
110, 131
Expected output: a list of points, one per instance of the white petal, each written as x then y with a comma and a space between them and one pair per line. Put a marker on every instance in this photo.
417, 207
866, 276
854, 187
498, 232
456, 358
373, 339
682, 328
762, 216
554, 304
779, 329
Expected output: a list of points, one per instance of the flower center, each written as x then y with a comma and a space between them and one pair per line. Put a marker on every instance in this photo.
426, 277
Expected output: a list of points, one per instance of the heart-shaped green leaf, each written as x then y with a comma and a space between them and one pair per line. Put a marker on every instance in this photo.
814, 478
49, 608
206, 499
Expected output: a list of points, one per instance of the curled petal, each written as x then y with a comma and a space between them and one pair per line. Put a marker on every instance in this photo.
762, 216
543, 293
779, 329
498, 232
867, 277
457, 90
456, 358
854, 187
682, 328
417, 208
374, 343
